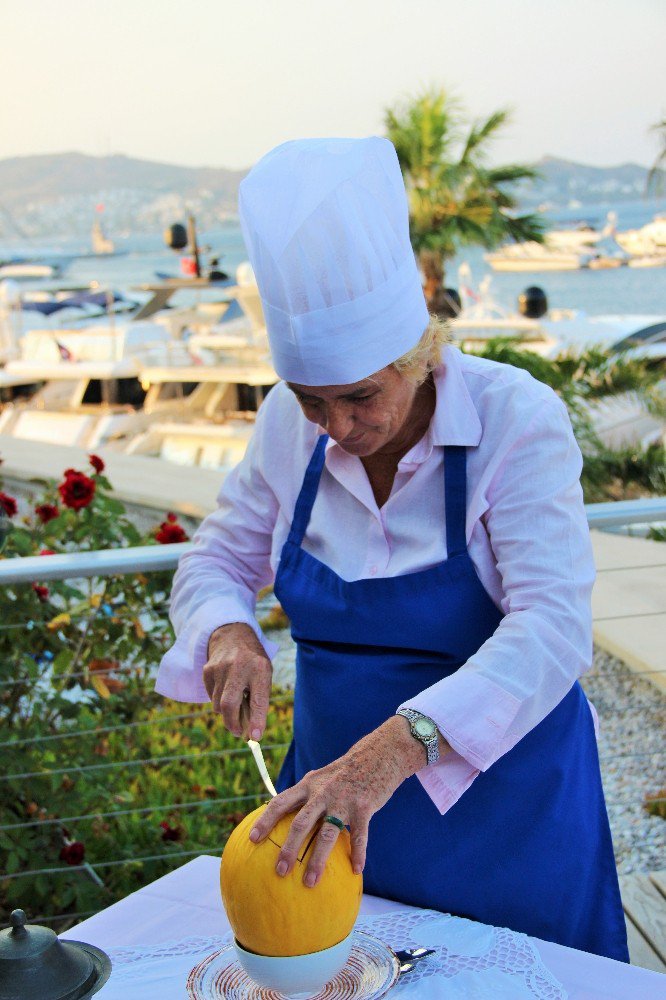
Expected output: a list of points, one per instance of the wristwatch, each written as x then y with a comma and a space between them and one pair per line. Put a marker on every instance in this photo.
424, 730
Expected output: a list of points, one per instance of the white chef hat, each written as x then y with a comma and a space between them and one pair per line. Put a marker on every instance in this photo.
326, 227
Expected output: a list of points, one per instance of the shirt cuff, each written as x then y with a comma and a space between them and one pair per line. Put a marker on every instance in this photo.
446, 781
180, 673
472, 713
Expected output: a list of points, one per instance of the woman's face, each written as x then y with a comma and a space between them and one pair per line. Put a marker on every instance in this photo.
377, 414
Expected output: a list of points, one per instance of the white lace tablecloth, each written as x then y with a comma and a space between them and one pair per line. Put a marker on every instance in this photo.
471, 960
158, 934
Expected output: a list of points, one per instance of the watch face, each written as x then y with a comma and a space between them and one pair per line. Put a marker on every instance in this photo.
424, 728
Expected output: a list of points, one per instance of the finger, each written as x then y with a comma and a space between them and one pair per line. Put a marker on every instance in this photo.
216, 696
210, 678
323, 845
278, 807
245, 714
359, 845
231, 702
239, 678
303, 825
260, 695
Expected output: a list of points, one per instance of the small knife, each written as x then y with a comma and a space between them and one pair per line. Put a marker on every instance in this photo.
261, 765
256, 749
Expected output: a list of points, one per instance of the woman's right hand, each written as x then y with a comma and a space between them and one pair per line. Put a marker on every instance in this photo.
238, 669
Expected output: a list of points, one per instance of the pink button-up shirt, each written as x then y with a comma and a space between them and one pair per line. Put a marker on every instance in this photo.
527, 537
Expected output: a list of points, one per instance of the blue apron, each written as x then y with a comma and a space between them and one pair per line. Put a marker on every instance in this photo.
528, 845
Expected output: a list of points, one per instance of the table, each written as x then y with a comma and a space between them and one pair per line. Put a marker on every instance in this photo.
187, 902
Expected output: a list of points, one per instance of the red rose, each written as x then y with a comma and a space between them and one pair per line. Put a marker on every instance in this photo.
77, 489
172, 517
42, 592
170, 532
9, 504
46, 512
47, 552
171, 832
73, 853
96, 462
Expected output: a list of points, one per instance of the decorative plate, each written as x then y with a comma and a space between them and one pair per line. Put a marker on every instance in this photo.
370, 972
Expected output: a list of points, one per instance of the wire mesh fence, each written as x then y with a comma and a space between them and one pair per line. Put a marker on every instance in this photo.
103, 788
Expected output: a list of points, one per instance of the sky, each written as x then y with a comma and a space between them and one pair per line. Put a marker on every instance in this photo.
219, 82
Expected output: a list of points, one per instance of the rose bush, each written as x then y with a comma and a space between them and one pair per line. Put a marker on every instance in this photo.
170, 531
79, 718
76, 490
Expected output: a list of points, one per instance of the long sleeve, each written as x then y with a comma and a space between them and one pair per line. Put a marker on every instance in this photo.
218, 580
536, 524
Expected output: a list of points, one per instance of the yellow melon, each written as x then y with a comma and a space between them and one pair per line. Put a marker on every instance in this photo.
274, 915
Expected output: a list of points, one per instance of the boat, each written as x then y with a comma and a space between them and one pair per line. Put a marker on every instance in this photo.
618, 420
20, 270
653, 234
646, 246
582, 236
53, 307
135, 387
532, 256
648, 260
565, 250
107, 385
102, 246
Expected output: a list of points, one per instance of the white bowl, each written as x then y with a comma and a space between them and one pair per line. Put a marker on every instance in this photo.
296, 975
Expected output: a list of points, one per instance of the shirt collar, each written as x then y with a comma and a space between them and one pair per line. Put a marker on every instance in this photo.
455, 420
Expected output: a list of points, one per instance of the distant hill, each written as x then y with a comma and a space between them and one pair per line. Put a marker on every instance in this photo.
56, 195
563, 181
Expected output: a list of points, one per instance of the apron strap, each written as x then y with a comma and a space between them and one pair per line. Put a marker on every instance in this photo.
455, 498
306, 497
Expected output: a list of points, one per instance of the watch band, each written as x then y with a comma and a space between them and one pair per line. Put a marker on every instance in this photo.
429, 740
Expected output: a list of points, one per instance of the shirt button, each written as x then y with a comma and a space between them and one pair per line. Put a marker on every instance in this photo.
373, 571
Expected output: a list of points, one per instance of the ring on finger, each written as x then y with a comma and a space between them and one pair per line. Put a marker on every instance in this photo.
335, 821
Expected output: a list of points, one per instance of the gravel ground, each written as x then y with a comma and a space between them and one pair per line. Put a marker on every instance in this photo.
632, 729
632, 749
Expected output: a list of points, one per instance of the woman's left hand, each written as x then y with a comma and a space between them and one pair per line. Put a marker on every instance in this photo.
351, 788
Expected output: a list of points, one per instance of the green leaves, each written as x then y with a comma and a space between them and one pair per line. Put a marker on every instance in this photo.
454, 198
79, 715
581, 378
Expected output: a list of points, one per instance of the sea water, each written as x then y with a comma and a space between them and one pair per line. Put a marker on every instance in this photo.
621, 290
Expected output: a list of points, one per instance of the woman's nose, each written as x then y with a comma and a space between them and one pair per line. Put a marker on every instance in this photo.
338, 422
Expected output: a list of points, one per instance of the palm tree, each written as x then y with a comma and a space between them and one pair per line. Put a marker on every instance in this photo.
455, 198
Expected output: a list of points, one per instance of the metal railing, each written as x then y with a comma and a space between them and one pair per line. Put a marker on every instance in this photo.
102, 562
154, 558
617, 514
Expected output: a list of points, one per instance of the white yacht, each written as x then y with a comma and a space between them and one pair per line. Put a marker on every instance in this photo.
647, 245
565, 250
532, 256
136, 387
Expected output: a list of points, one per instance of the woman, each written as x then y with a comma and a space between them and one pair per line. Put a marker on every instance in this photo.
420, 514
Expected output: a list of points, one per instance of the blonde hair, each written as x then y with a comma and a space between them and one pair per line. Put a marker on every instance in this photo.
420, 360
